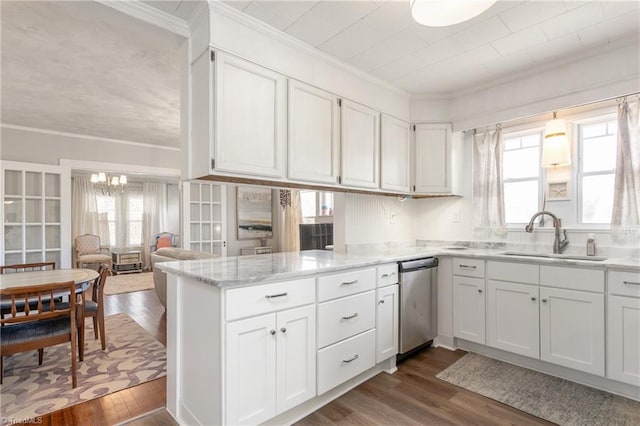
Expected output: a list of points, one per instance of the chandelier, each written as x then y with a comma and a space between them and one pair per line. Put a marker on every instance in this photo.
109, 185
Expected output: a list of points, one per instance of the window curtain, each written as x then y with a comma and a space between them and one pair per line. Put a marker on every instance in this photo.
84, 212
154, 217
290, 218
488, 192
625, 218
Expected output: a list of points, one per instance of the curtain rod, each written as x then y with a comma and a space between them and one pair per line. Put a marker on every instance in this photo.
499, 125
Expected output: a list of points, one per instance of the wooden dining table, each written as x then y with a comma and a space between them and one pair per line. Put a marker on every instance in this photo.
82, 277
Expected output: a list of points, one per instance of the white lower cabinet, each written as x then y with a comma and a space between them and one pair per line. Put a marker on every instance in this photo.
572, 329
623, 339
342, 361
386, 322
513, 317
469, 309
270, 364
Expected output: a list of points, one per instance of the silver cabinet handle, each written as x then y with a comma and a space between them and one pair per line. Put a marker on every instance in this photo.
468, 266
284, 330
544, 300
350, 316
388, 275
272, 332
380, 301
349, 282
347, 361
630, 283
273, 296
479, 290
533, 299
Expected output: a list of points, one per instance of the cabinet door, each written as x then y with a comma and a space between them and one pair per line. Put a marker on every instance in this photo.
572, 329
387, 323
250, 117
296, 368
360, 142
433, 158
314, 132
251, 370
395, 143
469, 309
623, 339
513, 318
204, 216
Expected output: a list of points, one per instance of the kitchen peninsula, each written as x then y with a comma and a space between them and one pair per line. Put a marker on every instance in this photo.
271, 338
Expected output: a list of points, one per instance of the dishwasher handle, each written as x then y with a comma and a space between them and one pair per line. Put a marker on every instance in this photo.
417, 264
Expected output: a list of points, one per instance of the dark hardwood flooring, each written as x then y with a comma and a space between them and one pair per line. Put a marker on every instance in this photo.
411, 396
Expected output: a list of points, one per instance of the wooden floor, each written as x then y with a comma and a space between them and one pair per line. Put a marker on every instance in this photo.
411, 396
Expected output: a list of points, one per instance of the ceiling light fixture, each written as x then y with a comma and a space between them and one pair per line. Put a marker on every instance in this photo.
555, 147
109, 185
441, 13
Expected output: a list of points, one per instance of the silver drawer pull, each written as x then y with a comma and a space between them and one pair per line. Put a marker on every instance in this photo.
273, 296
350, 316
630, 283
468, 266
347, 361
348, 282
388, 275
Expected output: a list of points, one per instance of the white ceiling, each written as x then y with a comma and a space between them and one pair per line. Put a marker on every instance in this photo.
381, 38
82, 67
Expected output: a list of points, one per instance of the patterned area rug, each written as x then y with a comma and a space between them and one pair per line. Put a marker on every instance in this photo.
126, 283
551, 398
132, 357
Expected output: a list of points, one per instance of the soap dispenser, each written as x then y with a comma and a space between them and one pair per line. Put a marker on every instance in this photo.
591, 245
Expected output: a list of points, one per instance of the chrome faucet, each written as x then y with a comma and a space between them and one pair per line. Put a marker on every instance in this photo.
558, 244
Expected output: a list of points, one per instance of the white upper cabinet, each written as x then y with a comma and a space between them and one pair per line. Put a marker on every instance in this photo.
314, 134
395, 147
249, 118
360, 138
433, 159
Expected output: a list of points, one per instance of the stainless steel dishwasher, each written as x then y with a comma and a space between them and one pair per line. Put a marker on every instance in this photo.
418, 304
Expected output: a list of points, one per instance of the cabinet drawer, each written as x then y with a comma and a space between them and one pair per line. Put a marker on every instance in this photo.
513, 272
572, 278
342, 361
346, 283
468, 267
387, 274
260, 299
345, 317
624, 283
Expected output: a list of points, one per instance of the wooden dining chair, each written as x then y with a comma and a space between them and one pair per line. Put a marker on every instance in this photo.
50, 324
94, 308
27, 267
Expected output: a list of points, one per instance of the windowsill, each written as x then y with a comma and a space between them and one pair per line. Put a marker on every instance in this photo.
518, 228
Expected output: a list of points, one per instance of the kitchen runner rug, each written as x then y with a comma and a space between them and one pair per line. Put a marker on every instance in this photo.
551, 398
126, 283
132, 357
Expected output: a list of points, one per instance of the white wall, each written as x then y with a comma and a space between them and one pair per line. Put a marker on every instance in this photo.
367, 219
47, 148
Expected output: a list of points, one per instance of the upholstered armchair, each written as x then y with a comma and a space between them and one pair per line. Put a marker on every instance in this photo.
88, 251
164, 239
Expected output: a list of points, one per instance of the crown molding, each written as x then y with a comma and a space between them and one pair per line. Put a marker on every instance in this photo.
216, 6
88, 137
150, 15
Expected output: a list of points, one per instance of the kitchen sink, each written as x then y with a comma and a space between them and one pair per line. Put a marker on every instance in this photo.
555, 256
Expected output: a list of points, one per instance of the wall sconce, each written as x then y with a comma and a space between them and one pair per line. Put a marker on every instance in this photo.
555, 147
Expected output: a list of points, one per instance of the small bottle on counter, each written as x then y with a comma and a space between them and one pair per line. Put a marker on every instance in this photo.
591, 245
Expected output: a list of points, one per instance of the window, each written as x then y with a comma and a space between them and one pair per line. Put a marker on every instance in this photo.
316, 205
521, 176
597, 164
124, 214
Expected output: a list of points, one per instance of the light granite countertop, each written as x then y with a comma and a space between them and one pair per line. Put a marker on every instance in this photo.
226, 272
